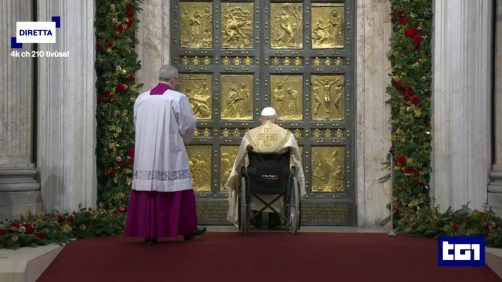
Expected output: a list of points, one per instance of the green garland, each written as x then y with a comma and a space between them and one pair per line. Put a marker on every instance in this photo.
116, 63
32, 230
410, 103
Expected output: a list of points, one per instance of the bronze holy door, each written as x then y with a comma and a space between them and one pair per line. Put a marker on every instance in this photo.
236, 57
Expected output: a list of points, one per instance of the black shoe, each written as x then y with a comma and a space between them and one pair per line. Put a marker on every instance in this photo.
273, 220
198, 232
256, 220
151, 241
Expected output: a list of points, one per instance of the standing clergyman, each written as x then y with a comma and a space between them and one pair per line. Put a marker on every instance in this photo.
162, 202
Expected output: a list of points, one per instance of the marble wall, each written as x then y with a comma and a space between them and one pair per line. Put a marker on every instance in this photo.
373, 114
67, 108
154, 37
462, 61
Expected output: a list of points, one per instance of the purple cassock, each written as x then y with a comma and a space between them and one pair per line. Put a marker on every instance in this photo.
162, 202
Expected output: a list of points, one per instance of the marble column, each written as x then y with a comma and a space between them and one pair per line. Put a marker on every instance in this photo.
153, 40
67, 108
373, 114
495, 186
461, 102
19, 189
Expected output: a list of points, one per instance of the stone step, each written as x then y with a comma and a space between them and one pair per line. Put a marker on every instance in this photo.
18, 180
19, 187
18, 173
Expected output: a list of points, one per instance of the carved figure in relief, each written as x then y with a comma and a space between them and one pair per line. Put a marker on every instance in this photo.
195, 24
336, 23
237, 101
320, 32
199, 101
286, 36
280, 98
293, 107
326, 83
235, 22
317, 97
338, 94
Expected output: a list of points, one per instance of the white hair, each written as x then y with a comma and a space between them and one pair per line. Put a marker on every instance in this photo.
166, 72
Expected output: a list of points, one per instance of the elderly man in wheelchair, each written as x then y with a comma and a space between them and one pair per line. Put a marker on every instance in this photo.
266, 178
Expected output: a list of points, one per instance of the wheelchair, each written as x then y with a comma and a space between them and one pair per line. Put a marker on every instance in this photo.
270, 174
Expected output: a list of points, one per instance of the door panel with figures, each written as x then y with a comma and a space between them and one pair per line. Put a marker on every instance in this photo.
236, 57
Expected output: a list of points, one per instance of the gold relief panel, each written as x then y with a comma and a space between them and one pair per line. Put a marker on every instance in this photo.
198, 88
327, 97
327, 25
227, 158
236, 97
328, 169
196, 25
287, 93
286, 25
237, 25
199, 158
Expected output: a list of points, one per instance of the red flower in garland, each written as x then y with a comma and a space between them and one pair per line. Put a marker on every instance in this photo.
131, 155
120, 28
130, 7
29, 229
408, 92
401, 160
131, 78
399, 14
415, 100
40, 235
120, 87
410, 170
411, 31
109, 45
129, 21
403, 20
111, 173
398, 85
14, 225
2, 231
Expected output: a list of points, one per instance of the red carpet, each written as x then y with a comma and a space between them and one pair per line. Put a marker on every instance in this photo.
259, 257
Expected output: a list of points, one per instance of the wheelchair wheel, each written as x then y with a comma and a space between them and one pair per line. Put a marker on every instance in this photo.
242, 207
294, 209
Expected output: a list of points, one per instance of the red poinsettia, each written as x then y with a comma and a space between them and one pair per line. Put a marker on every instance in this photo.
411, 31
29, 229
401, 160
40, 235
120, 87
111, 173
415, 100
120, 28
403, 20
398, 85
131, 155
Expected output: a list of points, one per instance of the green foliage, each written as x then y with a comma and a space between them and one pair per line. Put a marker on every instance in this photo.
463, 222
116, 63
410, 101
41, 229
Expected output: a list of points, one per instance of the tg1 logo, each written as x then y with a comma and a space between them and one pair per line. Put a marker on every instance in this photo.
461, 251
